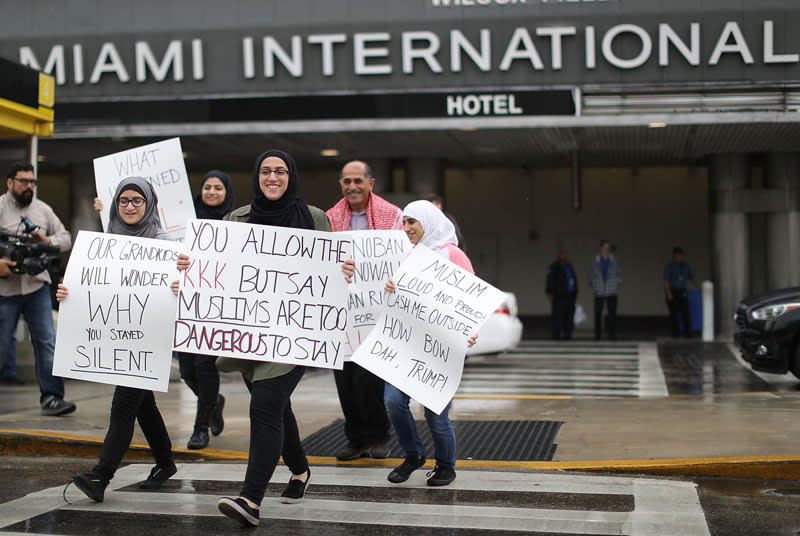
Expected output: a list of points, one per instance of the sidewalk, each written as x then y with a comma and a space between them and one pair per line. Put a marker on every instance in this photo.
735, 434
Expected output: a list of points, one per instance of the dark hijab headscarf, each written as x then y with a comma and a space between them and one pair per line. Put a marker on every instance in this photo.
289, 210
205, 212
150, 224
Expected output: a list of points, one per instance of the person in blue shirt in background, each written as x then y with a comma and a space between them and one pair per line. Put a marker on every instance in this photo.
562, 291
606, 277
677, 275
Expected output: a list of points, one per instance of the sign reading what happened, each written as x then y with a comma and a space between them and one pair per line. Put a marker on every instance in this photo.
162, 165
377, 255
420, 340
115, 326
264, 293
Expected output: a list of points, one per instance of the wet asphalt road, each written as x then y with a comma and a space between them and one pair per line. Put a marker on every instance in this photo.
731, 506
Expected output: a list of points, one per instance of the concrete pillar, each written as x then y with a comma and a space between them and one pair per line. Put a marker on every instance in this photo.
424, 175
82, 194
728, 175
783, 225
382, 171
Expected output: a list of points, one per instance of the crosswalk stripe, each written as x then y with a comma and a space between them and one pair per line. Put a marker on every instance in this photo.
570, 369
659, 506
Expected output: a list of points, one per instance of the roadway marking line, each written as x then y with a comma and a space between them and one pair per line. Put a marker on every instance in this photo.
370, 513
651, 376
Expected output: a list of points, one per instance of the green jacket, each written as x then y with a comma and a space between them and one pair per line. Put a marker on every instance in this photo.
254, 371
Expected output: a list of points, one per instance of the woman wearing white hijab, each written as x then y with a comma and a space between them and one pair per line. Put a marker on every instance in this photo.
425, 224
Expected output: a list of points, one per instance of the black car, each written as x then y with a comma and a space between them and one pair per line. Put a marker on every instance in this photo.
768, 331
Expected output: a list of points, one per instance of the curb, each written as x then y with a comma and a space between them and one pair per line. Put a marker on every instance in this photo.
47, 443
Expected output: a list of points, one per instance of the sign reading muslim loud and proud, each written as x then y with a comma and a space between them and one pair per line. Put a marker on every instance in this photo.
419, 342
116, 324
161, 164
377, 255
264, 293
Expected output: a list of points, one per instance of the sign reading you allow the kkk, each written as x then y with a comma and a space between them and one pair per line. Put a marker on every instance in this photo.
419, 342
116, 324
263, 293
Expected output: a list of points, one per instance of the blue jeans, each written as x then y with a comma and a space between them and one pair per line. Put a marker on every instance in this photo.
9, 367
444, 438
37, 309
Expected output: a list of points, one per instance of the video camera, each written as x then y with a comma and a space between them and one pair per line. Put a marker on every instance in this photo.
31, 258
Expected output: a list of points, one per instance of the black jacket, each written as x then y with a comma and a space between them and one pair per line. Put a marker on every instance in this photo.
557, 283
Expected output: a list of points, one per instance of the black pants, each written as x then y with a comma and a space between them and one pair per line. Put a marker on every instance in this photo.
679, 305
361, 397
273, 433
611, 303
130, 405
563, 316
201, 375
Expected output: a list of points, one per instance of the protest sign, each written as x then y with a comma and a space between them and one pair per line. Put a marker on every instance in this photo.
161, 164
264, 293
116, 324
377, 255
420, 340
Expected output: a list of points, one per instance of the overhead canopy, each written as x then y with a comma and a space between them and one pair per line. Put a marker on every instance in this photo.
26, 101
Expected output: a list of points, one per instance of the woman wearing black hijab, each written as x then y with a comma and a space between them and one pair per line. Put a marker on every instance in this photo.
214, 201
134, 213
273, 427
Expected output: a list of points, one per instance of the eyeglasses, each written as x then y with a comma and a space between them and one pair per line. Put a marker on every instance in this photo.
280, 172
358, 181
27, 182
136, 201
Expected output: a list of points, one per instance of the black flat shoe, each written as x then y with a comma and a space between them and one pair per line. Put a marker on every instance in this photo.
238, 509
295, 490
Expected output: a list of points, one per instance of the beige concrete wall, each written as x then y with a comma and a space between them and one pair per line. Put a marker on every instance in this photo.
514, 220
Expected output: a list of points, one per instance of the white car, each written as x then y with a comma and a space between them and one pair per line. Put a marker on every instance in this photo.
502, 331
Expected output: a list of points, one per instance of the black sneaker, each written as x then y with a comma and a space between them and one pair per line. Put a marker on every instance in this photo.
199, 440
158, 476
379, 451
404, 470
55, 406
295, 490
92, 484
217, 423
441, 476
352, 452
239, 510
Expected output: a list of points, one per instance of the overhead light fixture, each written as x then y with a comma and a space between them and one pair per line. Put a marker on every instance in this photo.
656, 125
329, 152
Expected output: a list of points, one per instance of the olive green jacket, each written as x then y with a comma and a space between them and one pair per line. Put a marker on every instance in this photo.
254, 371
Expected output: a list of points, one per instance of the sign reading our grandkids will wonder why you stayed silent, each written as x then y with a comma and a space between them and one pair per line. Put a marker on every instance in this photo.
115, 326
377, 255
263, 293
162, 165
419, 342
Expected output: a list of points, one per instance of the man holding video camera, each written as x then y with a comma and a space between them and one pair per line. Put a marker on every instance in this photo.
27, 227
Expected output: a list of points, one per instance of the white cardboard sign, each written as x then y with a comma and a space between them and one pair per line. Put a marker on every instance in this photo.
377, 255
264, 293
420, 340
115, 326
162, 165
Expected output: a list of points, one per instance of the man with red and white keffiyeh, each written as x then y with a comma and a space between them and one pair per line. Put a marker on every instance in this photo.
361, 392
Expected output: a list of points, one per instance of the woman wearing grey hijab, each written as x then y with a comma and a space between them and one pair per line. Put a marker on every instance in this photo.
133, 213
